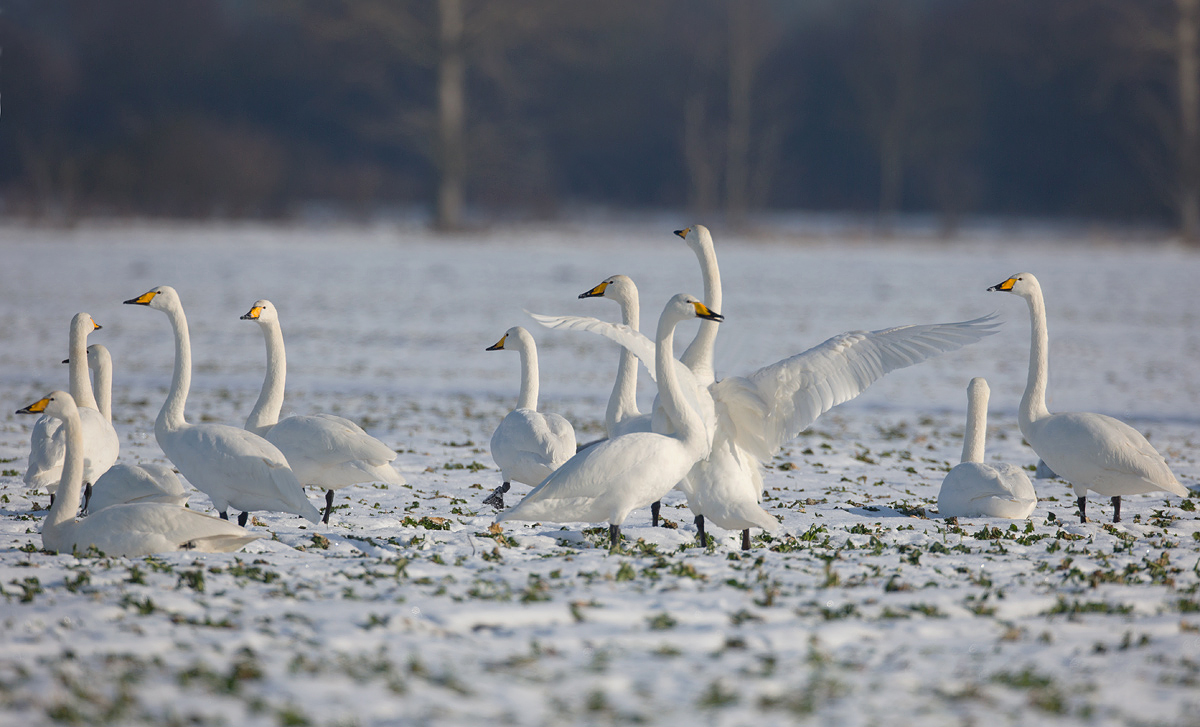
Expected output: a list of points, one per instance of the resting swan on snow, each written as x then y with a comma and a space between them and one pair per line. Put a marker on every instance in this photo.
323, 450
978, 489
127, 529
528, 445
607, 481
1091, 451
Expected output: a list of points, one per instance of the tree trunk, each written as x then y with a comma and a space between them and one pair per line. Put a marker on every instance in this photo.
451, 90
1186, 31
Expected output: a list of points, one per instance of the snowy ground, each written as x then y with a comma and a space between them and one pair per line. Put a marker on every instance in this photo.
867, 609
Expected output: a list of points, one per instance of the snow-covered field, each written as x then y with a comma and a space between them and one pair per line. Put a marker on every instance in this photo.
866, 609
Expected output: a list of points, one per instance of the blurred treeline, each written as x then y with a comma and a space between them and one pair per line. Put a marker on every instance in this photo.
273, 109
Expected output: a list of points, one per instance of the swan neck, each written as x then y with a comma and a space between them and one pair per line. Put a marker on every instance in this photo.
974, 436
69, 495
103, 390
528, 398
270, 400
689, 428
170, 417
81, 385
1033, 403
699, 354
622, 404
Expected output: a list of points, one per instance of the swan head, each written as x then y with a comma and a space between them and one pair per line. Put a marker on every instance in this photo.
521, 338
82, 324
978, 390
97, 356
1022, 284
617, 287
163, 298
57, 404
697, 237
689, 306
263, 312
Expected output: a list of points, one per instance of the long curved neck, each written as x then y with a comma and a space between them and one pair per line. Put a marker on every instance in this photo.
1033, 403
699, 354
528, 398
103, 390
689, 428
622, 404
67, 498
270, 400
170, 417
81, 385
973, 437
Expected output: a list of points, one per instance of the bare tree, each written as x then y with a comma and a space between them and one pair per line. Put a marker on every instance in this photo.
451, 119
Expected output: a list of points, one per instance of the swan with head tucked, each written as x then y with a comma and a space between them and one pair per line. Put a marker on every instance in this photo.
235, 468
528, 445
606, 482
323, 450
124, 530
974, 488
129, 483
1091, 451
622, 415
47, 446
752, 416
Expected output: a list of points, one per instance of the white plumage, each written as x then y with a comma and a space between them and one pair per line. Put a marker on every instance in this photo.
235, 468
622, 415
127, 483
125, 529
323, 450
974, 488
606, 482
47, 445
1091, 451
528, 445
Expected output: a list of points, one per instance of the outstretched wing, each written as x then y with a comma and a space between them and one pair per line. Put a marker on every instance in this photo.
635, 342
801, 388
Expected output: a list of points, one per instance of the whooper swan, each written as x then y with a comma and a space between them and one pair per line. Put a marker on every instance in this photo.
1091, 451
126, 530
323, 450
235, 468
604, 483
528, 445
622, 415
977, 489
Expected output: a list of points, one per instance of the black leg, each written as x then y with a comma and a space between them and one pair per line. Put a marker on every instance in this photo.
700, 531
51, 499
328, 506
496, 499
614, 535
224, 514
1082, 501
654, 513
243, 518
746, 539
1116, 501
87, 496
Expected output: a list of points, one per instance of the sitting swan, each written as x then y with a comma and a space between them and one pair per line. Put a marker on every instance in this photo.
528, 445
235, 468
604, 483
129, 483
1091, 451
976, 489
323, 450
125, 530
101, 445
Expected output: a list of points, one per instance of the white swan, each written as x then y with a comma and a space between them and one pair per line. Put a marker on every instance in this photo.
753, 416
976, 489
99, 362
47, 446
323, 450
622, 415
1091, 451
130, 483
528, 445
122, 530
604, 483
235, 468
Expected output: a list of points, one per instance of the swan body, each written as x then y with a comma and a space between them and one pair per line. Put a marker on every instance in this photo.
125, 530
47, 446
234, 467
1091, 451
622, 415
528, 446
323, 450
606, 482
127, 483
974, 488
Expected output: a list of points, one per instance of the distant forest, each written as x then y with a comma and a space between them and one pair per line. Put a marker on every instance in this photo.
471, 108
